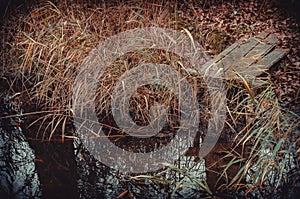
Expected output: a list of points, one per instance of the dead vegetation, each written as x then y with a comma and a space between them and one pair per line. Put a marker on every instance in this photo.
43, 50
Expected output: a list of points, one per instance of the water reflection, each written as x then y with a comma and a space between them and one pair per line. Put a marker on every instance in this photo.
18, 176
19, 179
97, 180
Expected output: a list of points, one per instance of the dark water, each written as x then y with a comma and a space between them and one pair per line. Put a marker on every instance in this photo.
19, 178
38, 169
96, 179
35, 169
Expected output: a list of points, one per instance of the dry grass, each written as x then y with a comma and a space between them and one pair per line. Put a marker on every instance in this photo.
268, 142
45, 49
53, 40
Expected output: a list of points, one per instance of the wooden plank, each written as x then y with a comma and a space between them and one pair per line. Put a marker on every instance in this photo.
220, 56
259, 50
233, 60
270, 59
260, 65
248, 57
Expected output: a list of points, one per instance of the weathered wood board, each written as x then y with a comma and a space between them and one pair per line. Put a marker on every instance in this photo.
248, 58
